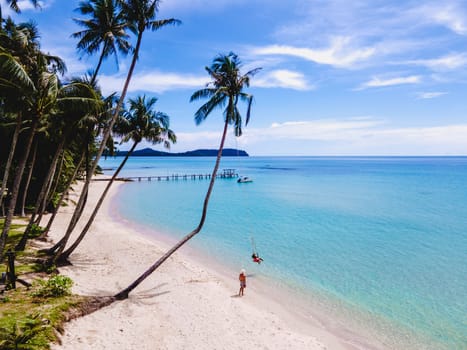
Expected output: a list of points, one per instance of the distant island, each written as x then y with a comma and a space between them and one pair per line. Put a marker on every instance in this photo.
149, 152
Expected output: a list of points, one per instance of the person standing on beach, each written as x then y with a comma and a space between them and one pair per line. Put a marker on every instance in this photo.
242, 278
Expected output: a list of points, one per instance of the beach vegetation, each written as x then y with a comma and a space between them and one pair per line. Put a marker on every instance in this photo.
33, 317
140, 122
139, 16
55, 286
32, 322
57, 129
30, 87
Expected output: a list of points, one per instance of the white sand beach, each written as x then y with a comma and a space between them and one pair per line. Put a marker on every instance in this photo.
182, 305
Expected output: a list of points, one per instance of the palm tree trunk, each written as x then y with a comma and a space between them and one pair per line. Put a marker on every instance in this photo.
101, 59
62, 197
22, 243
124, 293
10, 157
53, 188
16, 185
54, 180
28, 179
65, 255
101, 149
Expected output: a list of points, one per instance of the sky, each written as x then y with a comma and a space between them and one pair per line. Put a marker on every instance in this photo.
338, 77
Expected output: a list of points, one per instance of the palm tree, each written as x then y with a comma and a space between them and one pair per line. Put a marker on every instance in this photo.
140, 123
225, 89
74, 103
32, 163
71, 179
104, 31
14, 6
6, 173
17, 41
140, 16
14, 77
42, 94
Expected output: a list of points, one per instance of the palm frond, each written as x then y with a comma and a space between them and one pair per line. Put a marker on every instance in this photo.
218, 100
203, 93
14, 73
156, 25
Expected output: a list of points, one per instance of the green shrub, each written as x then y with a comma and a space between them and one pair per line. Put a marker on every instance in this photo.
55, 286
20, 334
35, 231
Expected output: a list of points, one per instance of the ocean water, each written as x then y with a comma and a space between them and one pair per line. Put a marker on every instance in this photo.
379, 241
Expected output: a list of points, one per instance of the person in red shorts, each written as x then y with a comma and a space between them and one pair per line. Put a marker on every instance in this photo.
256, 258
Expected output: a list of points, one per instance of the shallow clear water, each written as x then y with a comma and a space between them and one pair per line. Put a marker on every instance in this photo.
385, 237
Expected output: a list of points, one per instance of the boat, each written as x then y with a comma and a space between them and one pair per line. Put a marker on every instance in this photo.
244, 179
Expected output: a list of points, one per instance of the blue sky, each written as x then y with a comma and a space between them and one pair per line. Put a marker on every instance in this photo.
339, 77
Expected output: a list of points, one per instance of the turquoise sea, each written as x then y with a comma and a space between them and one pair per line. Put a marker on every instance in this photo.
380, 242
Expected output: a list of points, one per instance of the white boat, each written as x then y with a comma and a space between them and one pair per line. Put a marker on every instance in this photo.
244, 179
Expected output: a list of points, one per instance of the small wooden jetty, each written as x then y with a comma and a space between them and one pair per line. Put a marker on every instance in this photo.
225, 174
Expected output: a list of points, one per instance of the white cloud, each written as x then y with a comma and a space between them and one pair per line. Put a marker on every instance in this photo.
380, 31
282, 78
197, 5
430, 95
323, 130
448, 62
448, 14
24, 5
338, 54
378, 82
158, 82
154, 81
355, 136
360, 137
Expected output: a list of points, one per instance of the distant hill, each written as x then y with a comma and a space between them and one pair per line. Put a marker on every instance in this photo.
149, 152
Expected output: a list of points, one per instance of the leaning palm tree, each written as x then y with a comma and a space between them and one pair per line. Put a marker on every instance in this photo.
225, 89
104, 31
74, 102
140, 123
140, 16
15, 78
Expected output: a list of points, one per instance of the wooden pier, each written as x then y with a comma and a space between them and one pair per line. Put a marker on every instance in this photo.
225, 174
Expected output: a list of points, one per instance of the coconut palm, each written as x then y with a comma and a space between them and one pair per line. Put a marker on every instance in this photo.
225, 89
70, 181
74, 103
140, 123
25, 191
15, 78
104, 31
17, 41
42, 94
14, 6
140, 16
6, 173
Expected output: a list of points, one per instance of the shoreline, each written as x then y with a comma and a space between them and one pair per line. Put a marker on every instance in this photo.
331, 319
182, 304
